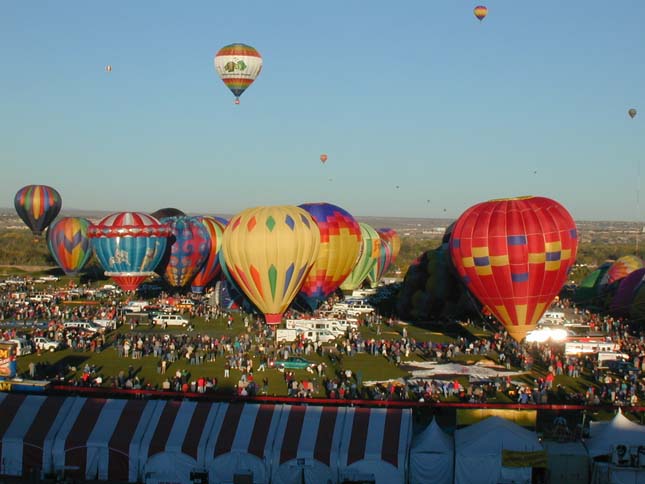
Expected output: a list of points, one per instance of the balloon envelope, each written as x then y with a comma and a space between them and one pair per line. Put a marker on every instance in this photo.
69, 244
340, 242
323, 158
167, 212
623, 267
480, 12
514, 255
238, 65
269, 251
624, 295
632, 112
369, 253
37, 206
129, 245
211, 267
189, 248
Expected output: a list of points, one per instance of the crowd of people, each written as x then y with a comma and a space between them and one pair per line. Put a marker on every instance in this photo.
244, 355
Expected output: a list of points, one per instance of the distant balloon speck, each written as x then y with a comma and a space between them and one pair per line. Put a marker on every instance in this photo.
108, 68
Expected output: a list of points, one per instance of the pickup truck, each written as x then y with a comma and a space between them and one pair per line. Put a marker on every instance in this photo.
45, 344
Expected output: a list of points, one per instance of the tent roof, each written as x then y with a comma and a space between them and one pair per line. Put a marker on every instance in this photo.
433, 440
620, 430
493, 434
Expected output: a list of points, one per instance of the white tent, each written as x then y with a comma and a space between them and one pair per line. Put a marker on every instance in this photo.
240, 444
174, 443
432, 456
375, 445
478, 452
603, 436
307, 445
96, 438
28, 425
567, 462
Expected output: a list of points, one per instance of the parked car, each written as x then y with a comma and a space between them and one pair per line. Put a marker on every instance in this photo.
170, 320
105, 323
622, 368
82, 325
293, 363
45, 344
48, 278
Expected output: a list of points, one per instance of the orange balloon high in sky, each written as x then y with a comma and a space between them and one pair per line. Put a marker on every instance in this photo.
323, 158
514, 255
480, 12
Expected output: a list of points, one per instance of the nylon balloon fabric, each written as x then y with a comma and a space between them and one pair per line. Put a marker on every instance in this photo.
515, 255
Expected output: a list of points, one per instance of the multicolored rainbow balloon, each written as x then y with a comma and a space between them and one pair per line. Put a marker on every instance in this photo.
211, 267
37, 206
69, 244
238, 65
340, 243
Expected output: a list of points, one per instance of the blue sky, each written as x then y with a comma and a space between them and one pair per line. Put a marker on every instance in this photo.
533, 100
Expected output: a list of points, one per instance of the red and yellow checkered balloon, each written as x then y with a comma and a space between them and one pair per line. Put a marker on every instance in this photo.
514, 255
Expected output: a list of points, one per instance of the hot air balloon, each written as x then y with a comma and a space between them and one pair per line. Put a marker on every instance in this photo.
238, 65
632, 113
392, 237
624, 266
382, 263
624, 295
269, 251
323, 158
211, 267
37, 206
340, 242
514, 255
222, 220
369, 253
167, 212
480, 12
189, 248
129, 245
69, 244
108, 68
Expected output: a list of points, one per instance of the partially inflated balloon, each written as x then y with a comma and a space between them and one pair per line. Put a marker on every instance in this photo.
480, 12
167, 212
269, 251
340, 242
69, 244
624, 266
514, 255
238, 65
382, 263
129, 245
369, 253
632, 113
37, 206
624, 295
392, 237
189, 249
211, 268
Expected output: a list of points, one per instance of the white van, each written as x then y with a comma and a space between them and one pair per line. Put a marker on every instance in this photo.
136, 306
588, 347
82, 326
22, 346
287, 335
605, 356
170, 320
320, 335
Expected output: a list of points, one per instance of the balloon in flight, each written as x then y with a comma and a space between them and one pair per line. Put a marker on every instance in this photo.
69, 244
515, 255
238, 65
268, 252
323, 158
129, 245
632, 113
480, 12
37, 206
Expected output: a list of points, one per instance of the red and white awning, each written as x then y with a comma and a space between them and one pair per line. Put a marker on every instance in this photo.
28, 425
307, 445
175, 441
241, 442
96, 439
375, 444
